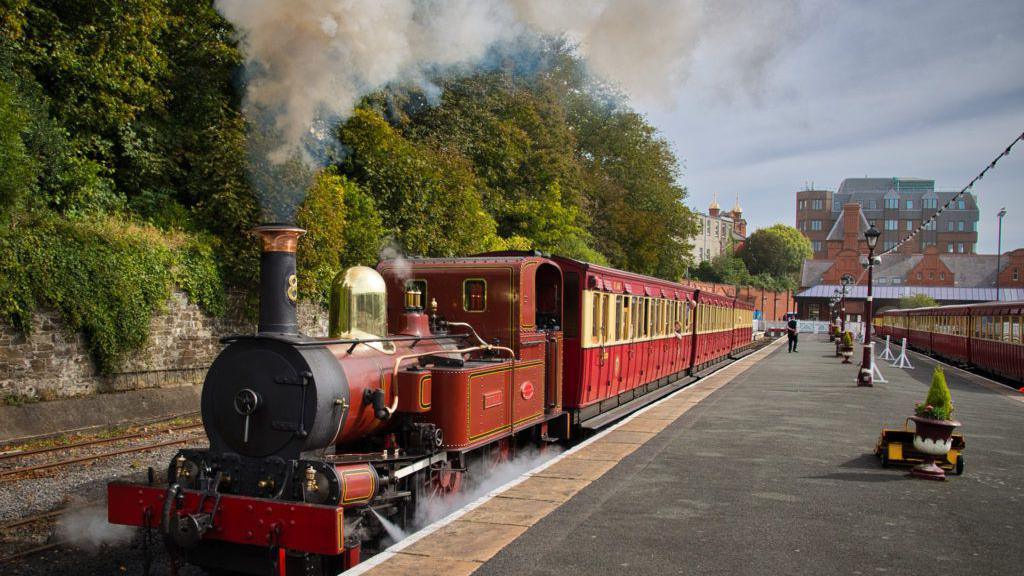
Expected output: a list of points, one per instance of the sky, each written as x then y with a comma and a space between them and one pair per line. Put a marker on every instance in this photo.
850, 89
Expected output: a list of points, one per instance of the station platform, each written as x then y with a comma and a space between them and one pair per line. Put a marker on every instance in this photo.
764, 467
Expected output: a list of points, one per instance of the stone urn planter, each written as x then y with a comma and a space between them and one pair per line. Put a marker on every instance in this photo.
933, 438
933, 433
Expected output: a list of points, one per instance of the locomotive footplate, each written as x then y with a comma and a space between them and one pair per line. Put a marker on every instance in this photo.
312, 528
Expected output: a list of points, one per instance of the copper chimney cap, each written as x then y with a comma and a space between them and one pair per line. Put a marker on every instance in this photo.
279, 237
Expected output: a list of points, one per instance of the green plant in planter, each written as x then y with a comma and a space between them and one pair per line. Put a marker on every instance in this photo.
847, 340
939, 404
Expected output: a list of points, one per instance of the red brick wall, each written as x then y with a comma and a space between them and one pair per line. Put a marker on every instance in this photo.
1013, 263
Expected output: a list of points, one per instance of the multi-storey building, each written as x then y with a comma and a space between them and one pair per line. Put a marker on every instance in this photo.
896, 206
948, 277
718, 232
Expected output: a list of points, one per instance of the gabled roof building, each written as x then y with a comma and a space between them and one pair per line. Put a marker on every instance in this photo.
949, 278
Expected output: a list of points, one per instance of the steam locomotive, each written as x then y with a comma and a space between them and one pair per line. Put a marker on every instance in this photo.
432, 368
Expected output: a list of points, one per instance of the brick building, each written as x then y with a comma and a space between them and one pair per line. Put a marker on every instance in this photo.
895, 206
949, 278
718, 232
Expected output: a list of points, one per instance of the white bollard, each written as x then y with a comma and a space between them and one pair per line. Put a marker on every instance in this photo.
887, 353
902, 361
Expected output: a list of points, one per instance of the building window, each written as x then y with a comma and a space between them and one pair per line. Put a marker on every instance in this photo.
959, 225
818, 204
474, 295
910, 204
942, 275
889, 245
1016, 274
892, 224
817, 245
974, 226
960, 247
949, 247
961, 204
950, 226
892, 202
931, 274
931, 203
815, 224
910, 224
872, 205
929, 225
919, 276
801, 205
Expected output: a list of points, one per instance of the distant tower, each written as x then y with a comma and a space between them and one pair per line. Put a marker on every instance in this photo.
714, 209
737, 216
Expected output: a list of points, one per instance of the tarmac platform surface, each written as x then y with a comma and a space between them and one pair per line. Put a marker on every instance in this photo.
765, 467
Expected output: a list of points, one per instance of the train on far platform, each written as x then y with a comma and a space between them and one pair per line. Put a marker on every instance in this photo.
432, 371
984, 336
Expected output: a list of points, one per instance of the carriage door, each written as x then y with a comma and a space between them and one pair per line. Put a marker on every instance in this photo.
549, 319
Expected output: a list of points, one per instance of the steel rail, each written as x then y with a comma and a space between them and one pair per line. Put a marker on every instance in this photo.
36, 517
95, 442
30, 552
80, 459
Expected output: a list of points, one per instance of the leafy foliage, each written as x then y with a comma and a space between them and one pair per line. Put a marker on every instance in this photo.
724, 269
778, 251
124, 168
847, 340
427, 199
106, 276
342, 229
918, 301
939, 403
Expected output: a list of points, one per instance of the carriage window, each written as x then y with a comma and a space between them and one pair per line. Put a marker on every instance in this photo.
606, 312
656, 319
595, 316
474, 295
667, 319
619, 318
647, 317
1016, 329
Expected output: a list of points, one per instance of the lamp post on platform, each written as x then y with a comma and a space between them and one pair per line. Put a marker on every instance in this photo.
846, 281
999, 249
865, 377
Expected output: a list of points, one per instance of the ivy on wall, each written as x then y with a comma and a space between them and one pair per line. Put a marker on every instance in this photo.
106, 276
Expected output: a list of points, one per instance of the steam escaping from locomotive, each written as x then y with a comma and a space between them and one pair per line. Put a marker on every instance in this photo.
308, 62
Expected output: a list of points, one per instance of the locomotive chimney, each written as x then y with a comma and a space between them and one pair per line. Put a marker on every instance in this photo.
279, 288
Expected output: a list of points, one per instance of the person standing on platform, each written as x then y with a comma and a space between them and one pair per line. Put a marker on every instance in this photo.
791, 333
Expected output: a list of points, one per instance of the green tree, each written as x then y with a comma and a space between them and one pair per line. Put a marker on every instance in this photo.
725, 269
428, 199
342, 229
778, 251
18, 169
918, 301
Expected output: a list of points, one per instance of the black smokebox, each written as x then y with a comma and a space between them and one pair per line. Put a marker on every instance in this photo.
279, 288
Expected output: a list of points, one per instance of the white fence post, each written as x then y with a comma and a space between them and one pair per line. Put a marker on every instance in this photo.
887, 353
902, 361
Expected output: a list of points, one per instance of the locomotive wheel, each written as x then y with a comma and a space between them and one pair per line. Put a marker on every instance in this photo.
500, 452
443, 480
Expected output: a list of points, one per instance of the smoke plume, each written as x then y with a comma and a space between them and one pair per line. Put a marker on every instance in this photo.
88, 529
308, 62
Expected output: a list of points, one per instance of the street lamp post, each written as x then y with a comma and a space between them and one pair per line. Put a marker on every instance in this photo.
865, 378
999, 249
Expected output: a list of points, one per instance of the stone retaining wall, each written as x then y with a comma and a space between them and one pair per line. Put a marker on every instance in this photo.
53, 363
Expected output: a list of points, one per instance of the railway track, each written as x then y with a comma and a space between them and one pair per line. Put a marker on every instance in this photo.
95, 442
66, 462
23, 523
